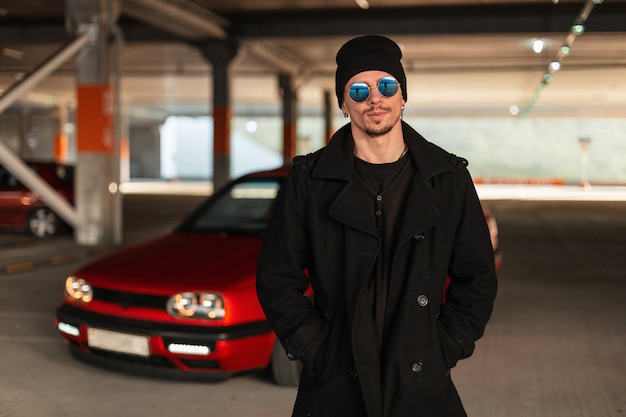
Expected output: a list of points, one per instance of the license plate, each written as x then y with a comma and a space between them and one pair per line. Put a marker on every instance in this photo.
118, 342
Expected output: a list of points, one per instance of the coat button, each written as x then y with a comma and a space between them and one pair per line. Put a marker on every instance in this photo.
419, 237
417, 366
422, 300
352, 373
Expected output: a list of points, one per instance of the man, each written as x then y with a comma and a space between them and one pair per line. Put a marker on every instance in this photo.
376, 222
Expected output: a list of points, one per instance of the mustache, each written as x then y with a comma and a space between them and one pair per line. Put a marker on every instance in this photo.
376, 108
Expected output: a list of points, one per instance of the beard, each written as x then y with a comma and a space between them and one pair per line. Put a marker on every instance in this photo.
380, 129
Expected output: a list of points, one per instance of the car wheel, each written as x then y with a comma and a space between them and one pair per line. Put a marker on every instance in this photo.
43, 222
284, 371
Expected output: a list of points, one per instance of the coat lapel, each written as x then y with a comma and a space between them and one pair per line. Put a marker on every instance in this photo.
422, 210
337, 163
423, 207
350, 208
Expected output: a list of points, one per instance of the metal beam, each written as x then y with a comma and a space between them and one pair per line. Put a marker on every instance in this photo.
278, 58
183, 18
18, 89
418, 20
425, 20
11, 161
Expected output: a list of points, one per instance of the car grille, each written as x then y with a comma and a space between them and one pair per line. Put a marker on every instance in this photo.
199, 364
128, 300
152, 360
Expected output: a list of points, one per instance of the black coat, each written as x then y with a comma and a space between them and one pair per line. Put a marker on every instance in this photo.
322, 227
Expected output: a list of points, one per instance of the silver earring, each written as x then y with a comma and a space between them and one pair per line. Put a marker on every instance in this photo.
345, 115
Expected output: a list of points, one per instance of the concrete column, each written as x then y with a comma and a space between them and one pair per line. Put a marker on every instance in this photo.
285, 84
61, 141
328, 115
95, 185
220, 55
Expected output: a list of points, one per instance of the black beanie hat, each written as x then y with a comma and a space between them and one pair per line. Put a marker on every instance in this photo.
365, 53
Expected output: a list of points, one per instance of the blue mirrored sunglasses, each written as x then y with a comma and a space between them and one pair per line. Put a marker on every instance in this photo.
387, 87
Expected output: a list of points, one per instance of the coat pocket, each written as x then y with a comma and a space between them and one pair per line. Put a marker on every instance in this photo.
452, 352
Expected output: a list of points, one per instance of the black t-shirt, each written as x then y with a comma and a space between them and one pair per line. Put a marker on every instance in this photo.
385, 187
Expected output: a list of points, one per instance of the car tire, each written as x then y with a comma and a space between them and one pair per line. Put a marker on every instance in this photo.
43, 222
286, 372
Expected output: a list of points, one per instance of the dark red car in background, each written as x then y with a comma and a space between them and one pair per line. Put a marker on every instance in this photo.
184, 304
22, 209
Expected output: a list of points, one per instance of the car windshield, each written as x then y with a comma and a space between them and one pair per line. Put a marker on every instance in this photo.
243, 208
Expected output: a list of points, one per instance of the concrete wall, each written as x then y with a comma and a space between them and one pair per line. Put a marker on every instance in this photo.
500, 149
145, 150
29, 131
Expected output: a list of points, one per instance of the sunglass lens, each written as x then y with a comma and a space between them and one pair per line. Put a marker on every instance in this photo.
388, 86
359, 92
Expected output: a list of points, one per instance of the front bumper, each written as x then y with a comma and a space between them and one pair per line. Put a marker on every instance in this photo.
227, 350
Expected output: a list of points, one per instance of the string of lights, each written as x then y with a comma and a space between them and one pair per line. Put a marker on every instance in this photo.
576, 30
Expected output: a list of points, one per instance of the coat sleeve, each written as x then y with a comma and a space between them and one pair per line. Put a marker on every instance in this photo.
281, 279
473, 282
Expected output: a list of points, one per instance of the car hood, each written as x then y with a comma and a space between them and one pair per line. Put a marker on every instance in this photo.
178, 262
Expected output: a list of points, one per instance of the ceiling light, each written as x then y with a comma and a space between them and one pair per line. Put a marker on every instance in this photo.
579, 27
251, 126
363, 4
538, 46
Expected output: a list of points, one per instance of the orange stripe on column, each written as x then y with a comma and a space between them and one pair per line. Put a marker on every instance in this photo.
94, 118
221, 130
289, 141
61, 147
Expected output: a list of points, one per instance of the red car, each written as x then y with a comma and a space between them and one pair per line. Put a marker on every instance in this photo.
23, 209
183, 304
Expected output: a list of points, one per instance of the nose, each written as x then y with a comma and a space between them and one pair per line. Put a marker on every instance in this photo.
375, 96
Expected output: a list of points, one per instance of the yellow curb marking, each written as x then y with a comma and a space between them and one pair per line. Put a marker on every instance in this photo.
60, 259
21, 266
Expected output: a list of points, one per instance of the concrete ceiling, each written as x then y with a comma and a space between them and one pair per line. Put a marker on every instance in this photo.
462, 57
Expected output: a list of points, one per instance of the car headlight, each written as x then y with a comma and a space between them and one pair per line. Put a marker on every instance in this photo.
196, 305
77, 289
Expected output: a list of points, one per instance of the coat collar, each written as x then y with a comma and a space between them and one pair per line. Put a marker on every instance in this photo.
336, 161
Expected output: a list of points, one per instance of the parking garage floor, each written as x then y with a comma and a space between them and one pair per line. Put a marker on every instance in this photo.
555, 346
